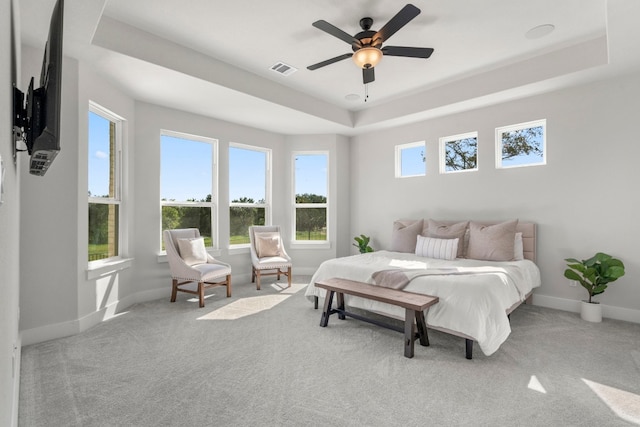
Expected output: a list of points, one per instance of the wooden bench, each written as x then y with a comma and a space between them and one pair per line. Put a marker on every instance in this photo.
414, 305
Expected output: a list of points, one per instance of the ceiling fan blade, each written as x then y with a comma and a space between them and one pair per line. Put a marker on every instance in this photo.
401, 19
329, 61
336, 32
411, 52
368, 75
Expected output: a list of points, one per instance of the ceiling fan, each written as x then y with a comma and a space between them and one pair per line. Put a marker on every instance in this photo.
367, 44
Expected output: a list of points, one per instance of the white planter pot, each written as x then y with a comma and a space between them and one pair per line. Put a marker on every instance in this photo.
591, 312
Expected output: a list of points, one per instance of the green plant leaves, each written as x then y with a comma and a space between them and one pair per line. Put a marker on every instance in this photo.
363, 244
594, 273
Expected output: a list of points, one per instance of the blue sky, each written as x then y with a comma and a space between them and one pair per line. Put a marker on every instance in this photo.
411, 161
98, 155
311, 174
247, 172
185, 168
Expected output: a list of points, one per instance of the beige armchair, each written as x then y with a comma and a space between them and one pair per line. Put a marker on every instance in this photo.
268, 256
189, 262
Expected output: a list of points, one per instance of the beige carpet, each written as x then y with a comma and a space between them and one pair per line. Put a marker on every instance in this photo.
261, 359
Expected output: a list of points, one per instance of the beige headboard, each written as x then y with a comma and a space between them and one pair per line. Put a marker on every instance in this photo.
528, 230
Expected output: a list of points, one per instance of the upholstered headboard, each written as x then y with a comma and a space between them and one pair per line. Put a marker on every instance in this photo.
528, 230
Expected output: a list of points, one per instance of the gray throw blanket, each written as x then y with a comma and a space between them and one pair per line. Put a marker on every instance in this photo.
399, 278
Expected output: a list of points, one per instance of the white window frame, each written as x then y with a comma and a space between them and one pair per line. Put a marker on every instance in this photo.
398, 158
295, 206
118, 190
213, 205
443, 151
268, 181
526, 125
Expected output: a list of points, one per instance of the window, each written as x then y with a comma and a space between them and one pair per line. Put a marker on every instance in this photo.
104, 182
410, 160
459, 153
310, 203
249, 190
523, 144
188, 172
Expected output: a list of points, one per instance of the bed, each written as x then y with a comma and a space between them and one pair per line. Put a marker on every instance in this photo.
476, 295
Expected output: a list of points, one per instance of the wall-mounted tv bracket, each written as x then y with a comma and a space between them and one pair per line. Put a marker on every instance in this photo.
20, 122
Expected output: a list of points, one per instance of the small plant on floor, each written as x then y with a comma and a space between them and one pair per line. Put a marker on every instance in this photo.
363, 244
594, 273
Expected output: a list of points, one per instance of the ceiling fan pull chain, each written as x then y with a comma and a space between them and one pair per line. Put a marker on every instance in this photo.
366, 92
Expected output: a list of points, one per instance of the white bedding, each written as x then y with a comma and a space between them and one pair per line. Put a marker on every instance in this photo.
473, 304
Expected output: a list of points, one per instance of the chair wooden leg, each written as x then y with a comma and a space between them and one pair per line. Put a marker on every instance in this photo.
253, 274
201, 293
278, 274
258, 279
174, 290
289, 276
228, 285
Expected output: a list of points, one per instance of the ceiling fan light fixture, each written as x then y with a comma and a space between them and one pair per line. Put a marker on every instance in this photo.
367, 57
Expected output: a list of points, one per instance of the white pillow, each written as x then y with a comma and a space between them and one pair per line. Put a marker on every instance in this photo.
432, 247
518, 248
267, 244
442, 230
192, 250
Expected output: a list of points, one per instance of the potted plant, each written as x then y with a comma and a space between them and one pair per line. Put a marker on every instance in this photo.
594, 274
363, 244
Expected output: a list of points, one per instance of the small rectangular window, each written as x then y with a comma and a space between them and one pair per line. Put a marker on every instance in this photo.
310, 202
410, 159
188, 172
459, 153
104, 179
523, 144
249, 190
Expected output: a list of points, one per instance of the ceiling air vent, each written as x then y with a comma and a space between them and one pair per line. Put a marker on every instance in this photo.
284, 69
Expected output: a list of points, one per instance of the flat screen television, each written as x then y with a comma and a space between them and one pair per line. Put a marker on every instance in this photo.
37, 123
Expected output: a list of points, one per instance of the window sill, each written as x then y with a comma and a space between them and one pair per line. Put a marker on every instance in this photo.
98, 269
239, 249
310, 244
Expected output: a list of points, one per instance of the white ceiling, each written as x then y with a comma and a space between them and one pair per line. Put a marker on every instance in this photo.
213, 57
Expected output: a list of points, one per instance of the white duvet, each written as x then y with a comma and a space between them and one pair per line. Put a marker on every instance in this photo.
473, 301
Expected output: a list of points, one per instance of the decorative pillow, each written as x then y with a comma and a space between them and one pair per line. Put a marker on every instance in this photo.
404, 235
442, 230
267, 244
192, 250
492, 242
518, 248
432, 247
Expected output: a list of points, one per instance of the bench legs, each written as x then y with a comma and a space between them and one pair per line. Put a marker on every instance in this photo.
409, 332
413, 319
326, 311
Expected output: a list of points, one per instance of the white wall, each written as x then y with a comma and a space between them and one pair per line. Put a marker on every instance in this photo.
584, 200
48, 231
152, 277
57, 297
9, 232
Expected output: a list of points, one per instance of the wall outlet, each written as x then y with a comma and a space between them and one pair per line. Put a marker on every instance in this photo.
573, 283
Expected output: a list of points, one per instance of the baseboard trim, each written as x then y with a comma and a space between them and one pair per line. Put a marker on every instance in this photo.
72, 327
608, 311
16, 381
